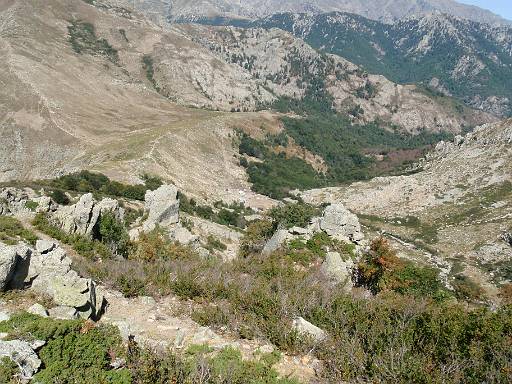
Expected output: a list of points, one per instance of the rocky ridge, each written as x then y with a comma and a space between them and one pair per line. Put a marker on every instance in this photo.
384, 10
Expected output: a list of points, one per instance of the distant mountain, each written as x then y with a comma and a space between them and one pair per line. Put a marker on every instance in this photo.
449, 55
383, 10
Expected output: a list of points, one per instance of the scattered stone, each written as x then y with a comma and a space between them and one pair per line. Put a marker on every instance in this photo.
63, 313
38, 309
162, 206
23, 355
304, 327
341, 224
147, 300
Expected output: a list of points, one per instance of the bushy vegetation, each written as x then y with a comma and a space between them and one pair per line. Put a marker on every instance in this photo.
111, 239
293, 215
382, 270
407, 332
83, 39
83, 353
85, 182
12, 231
75, 351
341, 144
232, 215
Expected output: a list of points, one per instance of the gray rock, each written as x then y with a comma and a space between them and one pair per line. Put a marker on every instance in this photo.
183, 236
162, 206
51, 274
36, 344
63, 313
179, 340
45, 204
341, 224
83, 217
24, 254
276, 241
298, 231
8, 257
45, 246
23, 355
38, 309
338, 270
304, 327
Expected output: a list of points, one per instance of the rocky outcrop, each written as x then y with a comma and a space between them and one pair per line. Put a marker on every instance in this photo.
23, 354
47, 270
13, 201
304, 327
50, 273
341, 224
162, 206
83, 217
13, 260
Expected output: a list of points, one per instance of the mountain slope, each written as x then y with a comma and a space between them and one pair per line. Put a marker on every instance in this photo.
288, 67
469, 60
384, 10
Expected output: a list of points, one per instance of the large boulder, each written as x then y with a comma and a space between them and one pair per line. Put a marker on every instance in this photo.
341, 224
8, 258
162, 206
82, 218
338, 270
14, 261
22, 353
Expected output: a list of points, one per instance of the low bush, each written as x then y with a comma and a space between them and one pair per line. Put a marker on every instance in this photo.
75, 351
381, 270
12, 231
293, 215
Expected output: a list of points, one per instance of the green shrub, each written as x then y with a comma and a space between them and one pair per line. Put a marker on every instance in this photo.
32, 205
9, 371
467, 289
75, 351
215, 244
83, 39
113, 233
59, 197
293, 215
381, 270
12, 231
